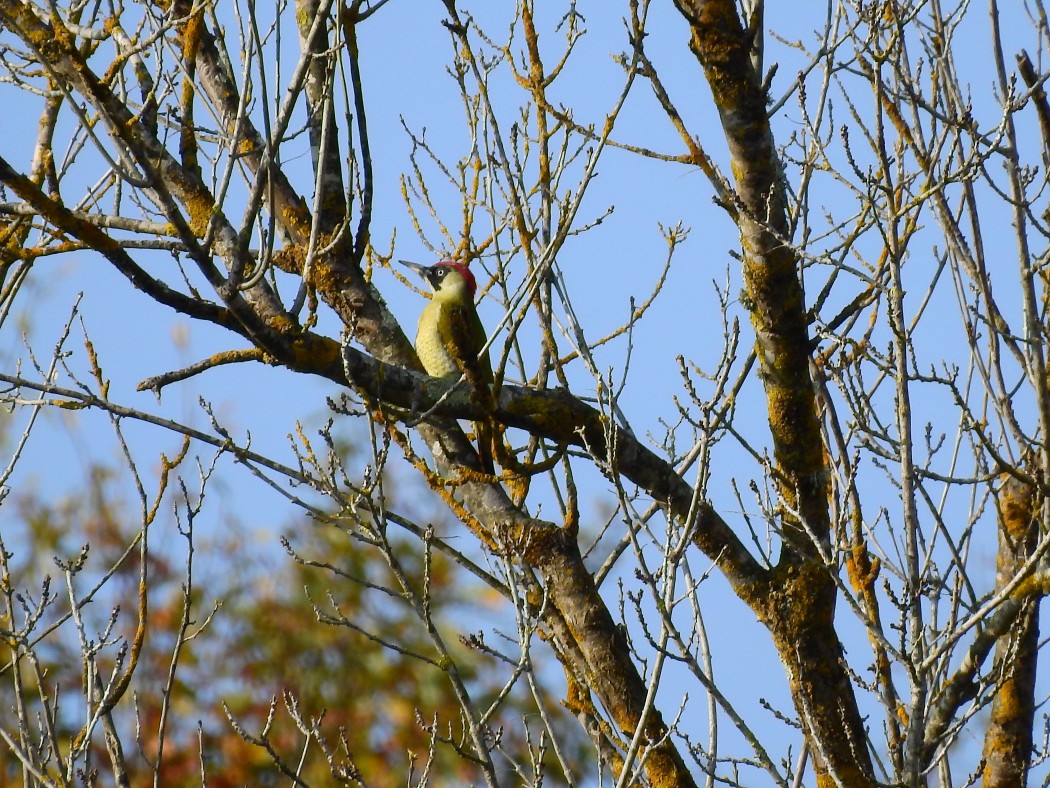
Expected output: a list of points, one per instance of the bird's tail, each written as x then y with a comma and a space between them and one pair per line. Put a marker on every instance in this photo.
484, 434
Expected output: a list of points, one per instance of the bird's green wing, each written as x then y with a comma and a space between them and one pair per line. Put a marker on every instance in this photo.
467, 336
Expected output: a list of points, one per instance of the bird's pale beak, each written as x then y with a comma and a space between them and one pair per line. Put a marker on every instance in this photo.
417, 267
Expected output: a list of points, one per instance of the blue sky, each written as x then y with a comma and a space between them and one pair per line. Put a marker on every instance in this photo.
405, 55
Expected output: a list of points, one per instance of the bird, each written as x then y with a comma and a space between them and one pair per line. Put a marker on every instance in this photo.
450, 339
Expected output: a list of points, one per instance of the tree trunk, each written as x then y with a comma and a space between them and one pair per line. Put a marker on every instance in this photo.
1008, 740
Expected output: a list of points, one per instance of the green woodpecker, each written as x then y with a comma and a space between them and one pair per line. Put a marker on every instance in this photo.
450, 339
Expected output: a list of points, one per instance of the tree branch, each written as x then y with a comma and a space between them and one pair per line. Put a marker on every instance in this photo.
562, 418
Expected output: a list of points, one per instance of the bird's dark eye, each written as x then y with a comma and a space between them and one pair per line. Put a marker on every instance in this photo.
440, 273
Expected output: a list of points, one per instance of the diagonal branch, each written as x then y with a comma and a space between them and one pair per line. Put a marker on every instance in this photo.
77, 225
562, 418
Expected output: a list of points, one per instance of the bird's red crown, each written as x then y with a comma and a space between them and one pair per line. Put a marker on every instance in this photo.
468, 277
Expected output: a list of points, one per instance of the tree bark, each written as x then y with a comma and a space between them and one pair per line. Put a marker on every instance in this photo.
1008, 740
798, 606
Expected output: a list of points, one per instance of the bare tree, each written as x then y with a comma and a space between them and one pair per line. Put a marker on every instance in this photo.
883, 169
